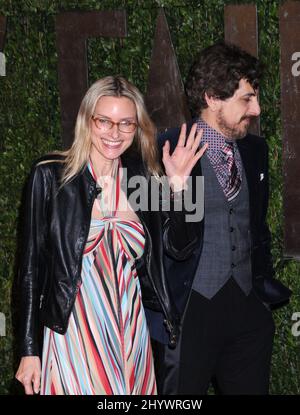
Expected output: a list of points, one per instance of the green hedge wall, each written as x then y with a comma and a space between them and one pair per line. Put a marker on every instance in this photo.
30, 124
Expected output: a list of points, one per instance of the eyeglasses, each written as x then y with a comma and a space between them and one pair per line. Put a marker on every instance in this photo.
106, 125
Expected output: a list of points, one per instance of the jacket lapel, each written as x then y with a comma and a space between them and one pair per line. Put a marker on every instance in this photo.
250, 168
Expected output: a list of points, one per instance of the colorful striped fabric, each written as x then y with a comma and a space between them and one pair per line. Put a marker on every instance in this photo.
106, 349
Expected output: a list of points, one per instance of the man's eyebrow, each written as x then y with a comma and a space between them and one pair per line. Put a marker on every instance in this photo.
249, 94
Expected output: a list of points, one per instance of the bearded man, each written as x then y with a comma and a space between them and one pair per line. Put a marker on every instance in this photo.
224, 293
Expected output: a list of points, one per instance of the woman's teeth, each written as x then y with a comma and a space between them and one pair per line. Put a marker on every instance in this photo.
112, 143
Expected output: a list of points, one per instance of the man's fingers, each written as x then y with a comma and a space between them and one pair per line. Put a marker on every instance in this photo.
182, 136
198, 155
194, 159
191, 138
166, 150
197, 140
201, 151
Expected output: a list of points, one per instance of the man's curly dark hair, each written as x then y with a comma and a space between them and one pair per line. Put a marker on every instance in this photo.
217, 72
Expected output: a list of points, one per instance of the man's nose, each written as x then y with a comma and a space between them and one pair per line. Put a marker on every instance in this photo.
255, 107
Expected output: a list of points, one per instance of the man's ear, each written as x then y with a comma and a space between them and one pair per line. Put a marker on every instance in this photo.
212, 102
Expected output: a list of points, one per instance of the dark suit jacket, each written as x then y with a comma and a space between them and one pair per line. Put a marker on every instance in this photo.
254, 154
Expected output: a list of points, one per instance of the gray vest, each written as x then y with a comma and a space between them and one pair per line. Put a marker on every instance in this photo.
226, 242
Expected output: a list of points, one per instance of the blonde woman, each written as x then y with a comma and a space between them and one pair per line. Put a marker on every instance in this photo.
88, 251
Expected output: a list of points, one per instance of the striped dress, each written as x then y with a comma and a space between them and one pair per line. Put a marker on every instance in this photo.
106, 349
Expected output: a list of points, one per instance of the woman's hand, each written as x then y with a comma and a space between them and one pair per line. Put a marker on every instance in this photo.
179, 165
29, 373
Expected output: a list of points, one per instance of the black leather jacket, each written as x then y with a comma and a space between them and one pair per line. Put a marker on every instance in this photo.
56, 225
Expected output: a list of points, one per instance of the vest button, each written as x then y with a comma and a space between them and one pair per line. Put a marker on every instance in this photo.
231, 229
232, 265
233, 248
231, 211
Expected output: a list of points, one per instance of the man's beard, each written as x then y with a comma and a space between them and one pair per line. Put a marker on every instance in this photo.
236, 131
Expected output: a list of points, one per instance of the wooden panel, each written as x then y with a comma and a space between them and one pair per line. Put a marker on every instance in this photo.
289, 21
241, 26
165, 98
72, 31
2, 31
2, 62
240, 23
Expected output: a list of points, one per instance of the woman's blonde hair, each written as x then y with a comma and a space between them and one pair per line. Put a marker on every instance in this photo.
144, 142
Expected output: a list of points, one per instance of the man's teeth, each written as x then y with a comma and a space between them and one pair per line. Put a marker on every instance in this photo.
112, 143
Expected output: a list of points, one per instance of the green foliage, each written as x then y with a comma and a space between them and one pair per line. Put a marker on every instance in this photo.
30, 122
